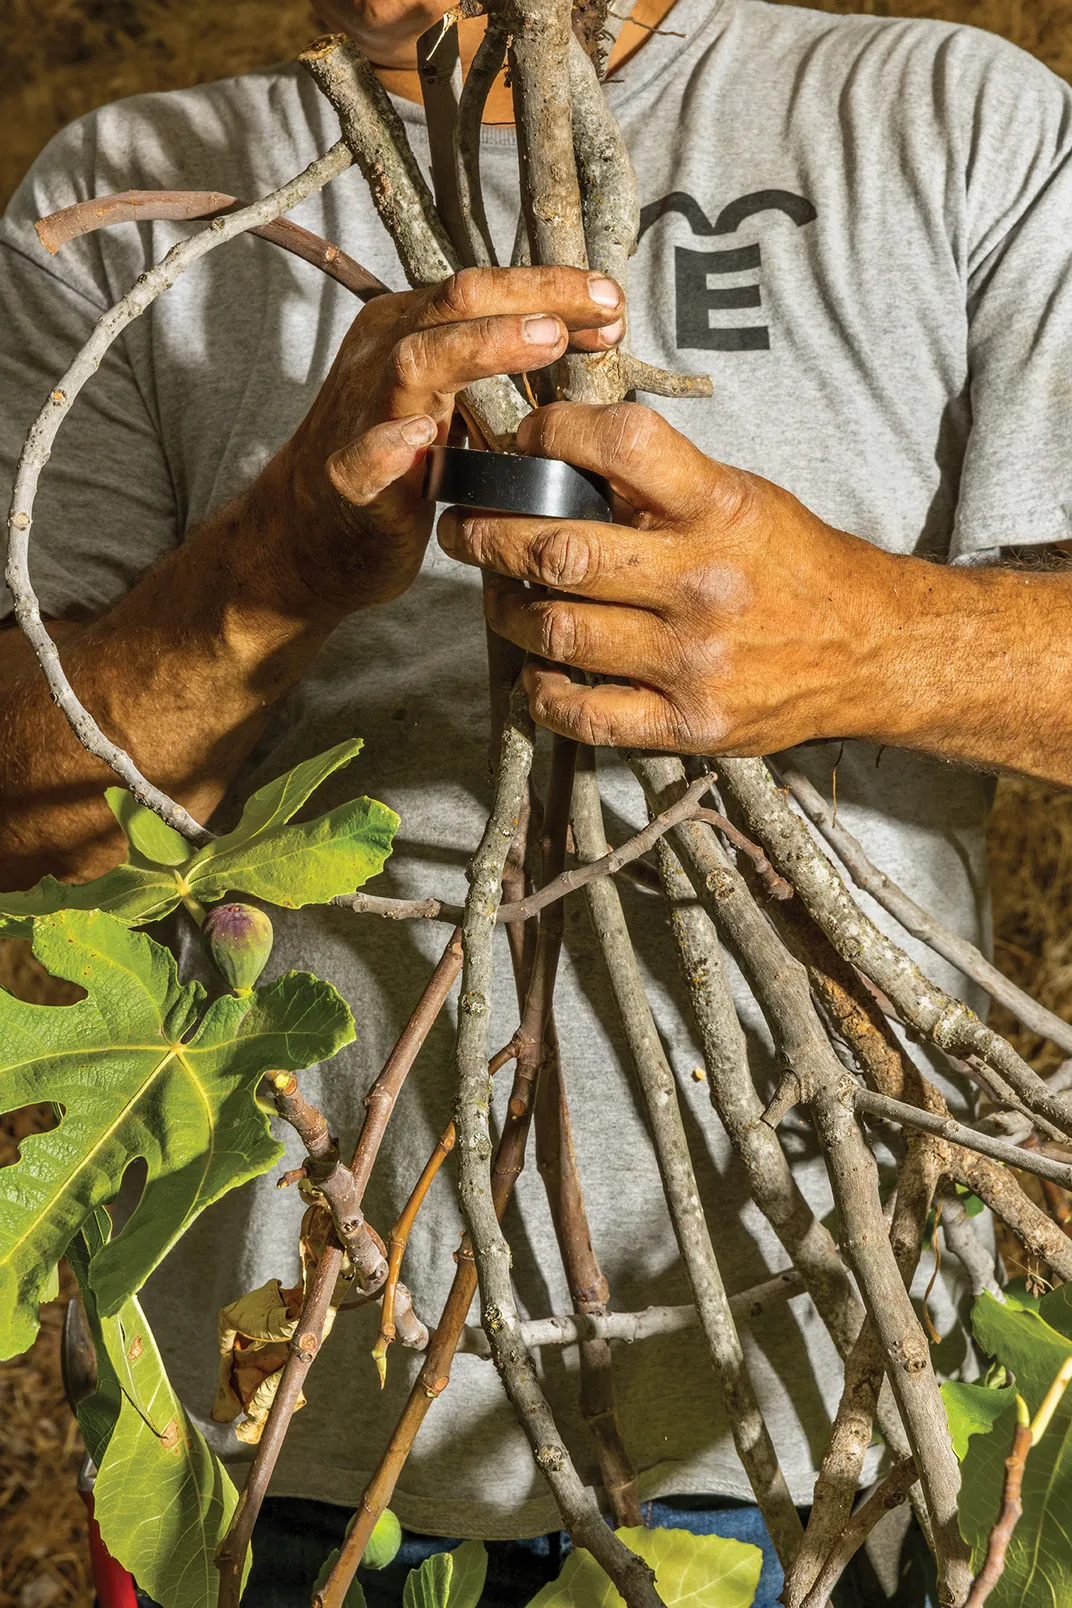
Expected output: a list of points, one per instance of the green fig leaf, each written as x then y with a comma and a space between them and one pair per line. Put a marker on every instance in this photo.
355, 1597
141, 1068
145, 831
973, 1410
288, 865
448, 1579
1038, 1564
691, 1571
162, 1499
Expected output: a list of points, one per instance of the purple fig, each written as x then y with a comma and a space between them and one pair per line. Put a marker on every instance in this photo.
239, 940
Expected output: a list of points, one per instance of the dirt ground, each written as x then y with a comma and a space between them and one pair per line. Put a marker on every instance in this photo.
60, 58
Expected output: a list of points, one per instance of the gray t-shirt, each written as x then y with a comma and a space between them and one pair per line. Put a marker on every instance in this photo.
862, 229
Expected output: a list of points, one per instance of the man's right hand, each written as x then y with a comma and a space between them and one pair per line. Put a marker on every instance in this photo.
351, 474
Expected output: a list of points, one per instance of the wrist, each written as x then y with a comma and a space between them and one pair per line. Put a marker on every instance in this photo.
915, 625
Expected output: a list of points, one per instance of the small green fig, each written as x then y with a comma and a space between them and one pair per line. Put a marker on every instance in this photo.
239, 940
383, 1543
382, 1548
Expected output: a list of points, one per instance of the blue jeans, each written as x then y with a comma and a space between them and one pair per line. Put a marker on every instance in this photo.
293, 1538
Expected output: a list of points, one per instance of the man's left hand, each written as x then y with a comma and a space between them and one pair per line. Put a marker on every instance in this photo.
733, 619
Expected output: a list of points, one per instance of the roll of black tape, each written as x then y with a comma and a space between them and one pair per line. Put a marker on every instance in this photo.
512, 484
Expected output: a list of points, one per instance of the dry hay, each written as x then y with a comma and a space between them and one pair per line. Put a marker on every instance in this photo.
60, 58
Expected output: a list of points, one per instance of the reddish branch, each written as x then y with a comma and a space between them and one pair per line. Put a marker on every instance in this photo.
1009, 1514
149, 206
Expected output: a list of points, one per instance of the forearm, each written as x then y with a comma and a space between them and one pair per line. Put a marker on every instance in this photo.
973, 665
182, 672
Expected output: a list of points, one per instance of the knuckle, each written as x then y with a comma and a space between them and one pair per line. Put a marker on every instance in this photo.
559, 632
631, 427
459, 297
591, 726
564, 557
409, 358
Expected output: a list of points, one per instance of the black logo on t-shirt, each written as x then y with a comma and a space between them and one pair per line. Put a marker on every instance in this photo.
697, 299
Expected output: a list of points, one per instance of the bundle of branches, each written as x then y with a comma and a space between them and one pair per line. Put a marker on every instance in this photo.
737, 866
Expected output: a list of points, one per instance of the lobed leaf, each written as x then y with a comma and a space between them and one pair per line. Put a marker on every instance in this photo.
162, 1498
288, 865
691, 1571
140, 1068
1038, 1565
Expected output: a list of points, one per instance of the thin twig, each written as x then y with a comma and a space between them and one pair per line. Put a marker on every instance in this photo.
484, 69
400, 1233
571, 1329
376, 135
380, 1100
852, 1432
915, 920
38, 447
303, 1347
890, 1493
957, 1133
439, 69
500, 1317
556, 1161
558, 887
964, 1243
147, 206
945, 1021
653, 381
1009, 1514
329, 1176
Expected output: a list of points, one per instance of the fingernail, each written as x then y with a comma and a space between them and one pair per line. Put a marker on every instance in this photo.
604, 291
612, 334
417, 432
540, 330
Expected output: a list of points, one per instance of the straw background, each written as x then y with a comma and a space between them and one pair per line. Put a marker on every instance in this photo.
60, 58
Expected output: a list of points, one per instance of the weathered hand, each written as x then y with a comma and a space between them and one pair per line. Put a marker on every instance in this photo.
737, 620
349, 481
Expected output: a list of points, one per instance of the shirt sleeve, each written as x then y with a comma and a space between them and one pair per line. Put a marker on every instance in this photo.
106, 508
1016, 483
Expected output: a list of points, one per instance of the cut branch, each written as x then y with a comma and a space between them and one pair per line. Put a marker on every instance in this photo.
376, 135
484, 68
957, 1133
557, 1163
656, 1082
889, 1494
733, 1095
571, 1329
304, 1346
524, 909
38, 447
945, 1021
781, 987
915, 920
439, 68
147, 206
492, 1253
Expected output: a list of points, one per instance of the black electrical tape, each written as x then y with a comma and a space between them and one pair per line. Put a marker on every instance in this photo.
511, 484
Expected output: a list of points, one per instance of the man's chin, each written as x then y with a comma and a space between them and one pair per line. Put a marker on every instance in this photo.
386, 30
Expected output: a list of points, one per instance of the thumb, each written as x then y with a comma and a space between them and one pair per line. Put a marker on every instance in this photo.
366, 467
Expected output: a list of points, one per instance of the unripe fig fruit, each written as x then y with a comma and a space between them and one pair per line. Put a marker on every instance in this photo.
239, 940
383, 1543
382, 1549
